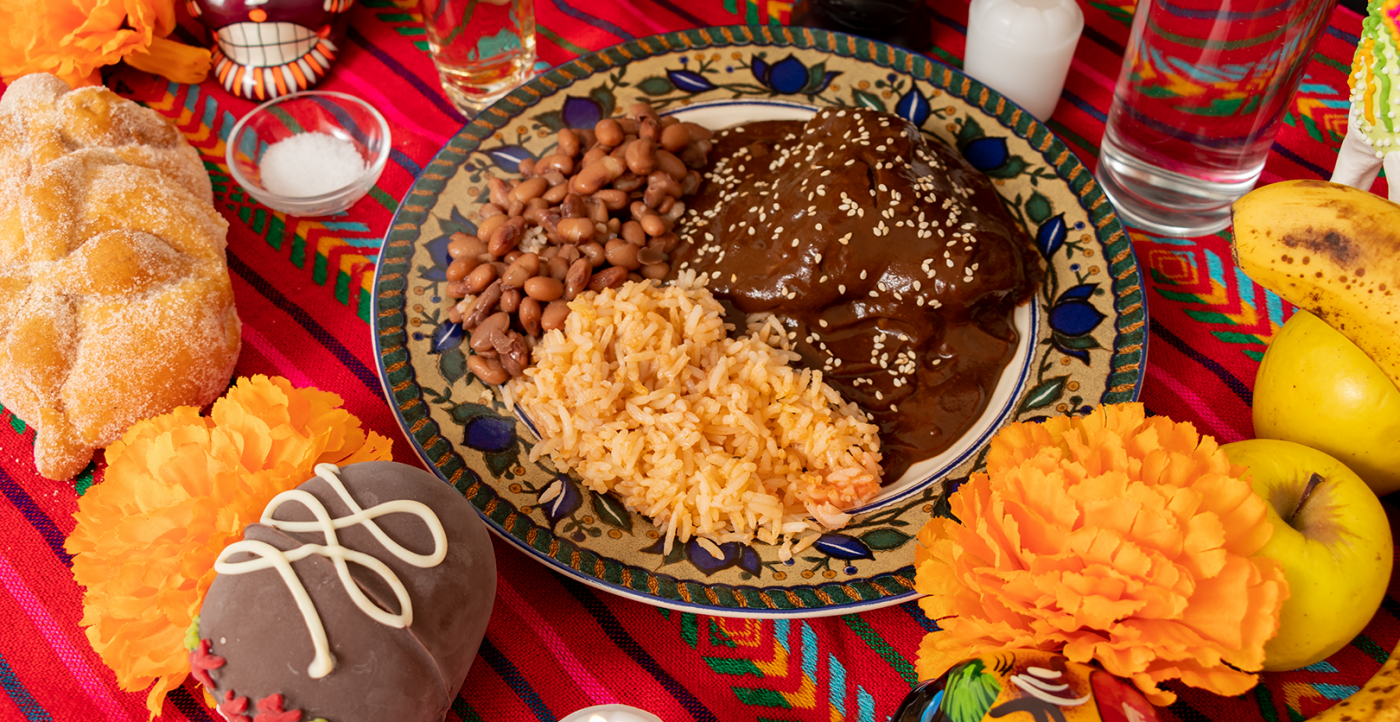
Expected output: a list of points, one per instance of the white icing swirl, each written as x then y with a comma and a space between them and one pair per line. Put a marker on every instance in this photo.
267, 556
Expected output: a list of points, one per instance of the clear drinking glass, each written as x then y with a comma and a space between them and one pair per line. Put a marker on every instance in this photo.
482, 48
1203, 89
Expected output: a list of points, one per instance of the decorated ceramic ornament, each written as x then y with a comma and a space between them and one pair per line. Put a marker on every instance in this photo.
1374, 124
269, 48
1044, 685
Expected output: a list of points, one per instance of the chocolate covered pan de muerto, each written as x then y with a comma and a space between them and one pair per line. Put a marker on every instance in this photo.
361, 597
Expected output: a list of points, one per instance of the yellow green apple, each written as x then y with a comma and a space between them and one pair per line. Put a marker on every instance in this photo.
1319, 389
1332, 539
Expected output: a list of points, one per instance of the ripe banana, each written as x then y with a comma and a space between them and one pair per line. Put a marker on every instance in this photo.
1377, 701
1332, 250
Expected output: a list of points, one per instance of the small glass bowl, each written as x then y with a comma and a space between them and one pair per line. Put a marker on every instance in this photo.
343, 116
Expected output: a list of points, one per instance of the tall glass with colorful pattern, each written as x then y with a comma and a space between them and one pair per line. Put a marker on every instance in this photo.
482, 48
1203, 89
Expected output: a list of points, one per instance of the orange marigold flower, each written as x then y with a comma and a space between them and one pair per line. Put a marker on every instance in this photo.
1115, 538
73, 39
177, 490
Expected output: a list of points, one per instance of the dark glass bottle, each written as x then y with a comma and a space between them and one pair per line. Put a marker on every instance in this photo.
899, 22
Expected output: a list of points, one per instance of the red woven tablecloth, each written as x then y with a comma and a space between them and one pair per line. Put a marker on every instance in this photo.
554, 645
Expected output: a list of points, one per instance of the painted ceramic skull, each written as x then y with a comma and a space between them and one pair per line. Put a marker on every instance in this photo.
268, 48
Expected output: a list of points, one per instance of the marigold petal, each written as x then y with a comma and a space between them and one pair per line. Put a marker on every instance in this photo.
1114, 537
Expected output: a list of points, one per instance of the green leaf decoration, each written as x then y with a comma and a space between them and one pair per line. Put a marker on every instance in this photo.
553, 120
656, 85
1045, 394
452, 365
1014, 166
611, 512
969, 693
885, 539
605, 99
815, 75
453, 224
868, 100
1038, 208
1076, 342
969, 132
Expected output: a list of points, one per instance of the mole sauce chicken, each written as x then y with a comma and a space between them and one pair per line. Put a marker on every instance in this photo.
889, 260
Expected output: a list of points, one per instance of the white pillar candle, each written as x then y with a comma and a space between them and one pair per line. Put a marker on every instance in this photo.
611, 713
1022, 48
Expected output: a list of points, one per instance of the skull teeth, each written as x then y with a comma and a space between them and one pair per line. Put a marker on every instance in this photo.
265, 44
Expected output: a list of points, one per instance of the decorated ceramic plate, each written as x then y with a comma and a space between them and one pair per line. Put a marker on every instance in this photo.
1083, 336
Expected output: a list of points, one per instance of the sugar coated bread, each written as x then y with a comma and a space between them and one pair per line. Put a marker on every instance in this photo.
115, 299
388, 636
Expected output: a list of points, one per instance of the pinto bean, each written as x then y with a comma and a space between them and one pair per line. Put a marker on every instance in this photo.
608, 278
641, 156
568, 142
490, 371
656, 271
614, 198
523, 269
653, 225
576, 230
558, 268
465, 245
499, 191
609, 132
593, 155
515, 356
483, 306
544, 289
596, 175
667, 161
557, 193
487, 228
459, 268
529, 314
557, 162
480, 278
483, 337
505, 237
675, 137
628, 182
527, 167
554, 315
577, 278
593, 252
622, 254
510, 300
632, 232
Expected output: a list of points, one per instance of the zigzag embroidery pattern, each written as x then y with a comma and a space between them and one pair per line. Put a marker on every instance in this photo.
1198, 276
782, 678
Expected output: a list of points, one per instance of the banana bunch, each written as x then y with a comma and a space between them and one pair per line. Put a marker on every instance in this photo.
1330, 249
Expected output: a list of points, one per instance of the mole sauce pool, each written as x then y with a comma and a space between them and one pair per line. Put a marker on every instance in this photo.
890, 261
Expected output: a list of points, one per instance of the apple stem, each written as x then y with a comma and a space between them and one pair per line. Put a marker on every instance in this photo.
1313, 481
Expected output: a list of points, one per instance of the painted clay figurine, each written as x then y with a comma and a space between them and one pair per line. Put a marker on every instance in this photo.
1045, 685
269, 48
1374, 124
